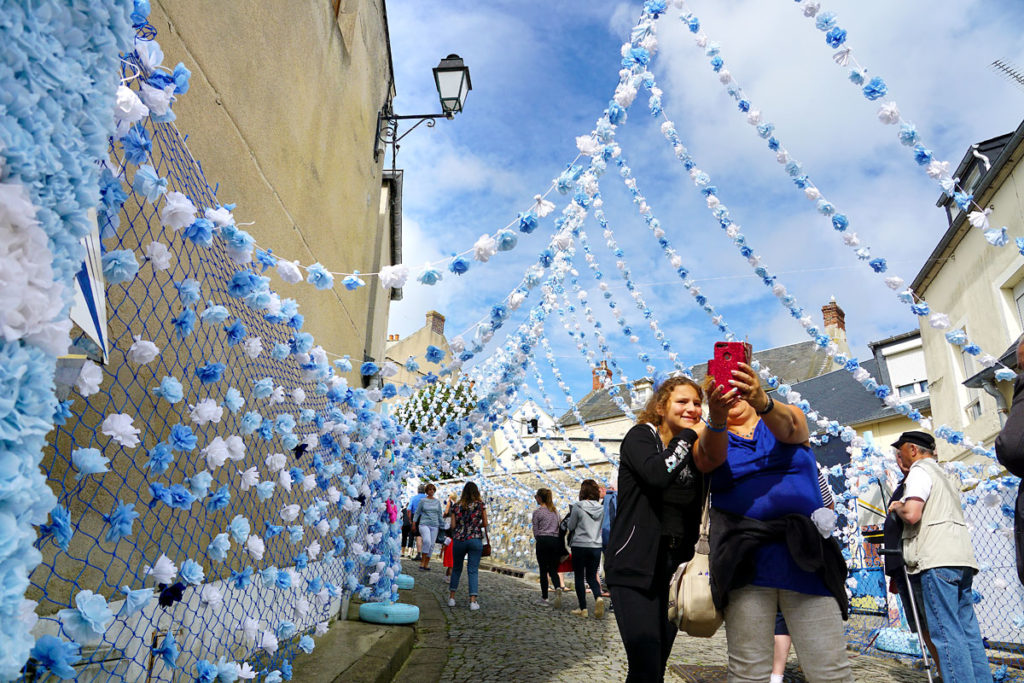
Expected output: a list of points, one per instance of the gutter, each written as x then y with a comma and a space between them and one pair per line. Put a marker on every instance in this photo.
395, 178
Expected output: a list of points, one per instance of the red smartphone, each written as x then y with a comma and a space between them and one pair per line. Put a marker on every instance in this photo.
728, 356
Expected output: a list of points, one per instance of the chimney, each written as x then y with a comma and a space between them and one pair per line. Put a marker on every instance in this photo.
435, 321
835, 325
599, 372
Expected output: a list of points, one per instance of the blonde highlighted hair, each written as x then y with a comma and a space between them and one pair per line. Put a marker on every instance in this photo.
661, 396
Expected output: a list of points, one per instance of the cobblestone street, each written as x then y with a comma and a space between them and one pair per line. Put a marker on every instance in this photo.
512, 640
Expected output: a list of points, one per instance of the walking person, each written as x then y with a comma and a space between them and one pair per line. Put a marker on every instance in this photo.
584, 526
938, 554
469, 519
655, 453
771, 543
414, 540
427, 522
545, 534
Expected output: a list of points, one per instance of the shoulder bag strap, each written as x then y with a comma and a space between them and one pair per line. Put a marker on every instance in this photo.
703, 543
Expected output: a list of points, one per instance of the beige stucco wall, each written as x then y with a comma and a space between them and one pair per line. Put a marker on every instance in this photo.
973, 288
416, 345
282, 114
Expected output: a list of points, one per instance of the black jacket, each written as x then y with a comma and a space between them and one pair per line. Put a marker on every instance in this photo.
735, 540
892, 533
632, 555
1010, 452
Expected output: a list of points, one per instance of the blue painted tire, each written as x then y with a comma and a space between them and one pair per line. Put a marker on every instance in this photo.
404, 581
394, 613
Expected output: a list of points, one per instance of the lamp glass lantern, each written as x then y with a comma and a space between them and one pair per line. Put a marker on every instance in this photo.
453, 84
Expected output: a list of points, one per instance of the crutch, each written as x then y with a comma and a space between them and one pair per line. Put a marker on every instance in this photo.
895, 552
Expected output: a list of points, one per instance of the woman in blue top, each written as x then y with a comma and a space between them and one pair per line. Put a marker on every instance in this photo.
770, 544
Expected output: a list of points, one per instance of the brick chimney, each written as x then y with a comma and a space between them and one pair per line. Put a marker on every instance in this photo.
835, 324
599, 372
435, 321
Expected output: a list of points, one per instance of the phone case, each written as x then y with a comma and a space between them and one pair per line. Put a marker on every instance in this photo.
728, 356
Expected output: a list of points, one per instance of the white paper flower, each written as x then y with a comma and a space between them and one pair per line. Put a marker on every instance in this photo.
277, 396
301, 608
248, 478
159, 255
219, 216
210, 596
298, 394
216, 453
321, 628
250, 629
236, 447
246, 672
323, 526
119, 427
206, 411
163, 570
889, 113
253, 347
142, 351
289, 271
484, 248
624, 95
940, 321
178, 211
542, 207
388, 369
276, 461
255, 546
150, 55
588, 144
89, 379
394, 276
937, 169
268, 642
842, 57
562, 240
894, 283
290, 512
284, 480
979, 219
313, 550
157, 99
128, 109
308, 483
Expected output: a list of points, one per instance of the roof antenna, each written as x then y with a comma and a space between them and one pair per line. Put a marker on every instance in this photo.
1009, 70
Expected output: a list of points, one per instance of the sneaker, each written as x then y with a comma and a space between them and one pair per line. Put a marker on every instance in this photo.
542, 602
558, 598
599, 609
473, 606
451, 602
579, 613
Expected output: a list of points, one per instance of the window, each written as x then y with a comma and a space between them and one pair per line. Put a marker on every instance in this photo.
566, 456
907, 390
973, 403
531, 426
922, 386
1018, 302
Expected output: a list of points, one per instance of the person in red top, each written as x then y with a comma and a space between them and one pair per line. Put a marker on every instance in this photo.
468, 521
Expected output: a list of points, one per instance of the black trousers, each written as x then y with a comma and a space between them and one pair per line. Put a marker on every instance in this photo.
585, 562
642, 616
549, 556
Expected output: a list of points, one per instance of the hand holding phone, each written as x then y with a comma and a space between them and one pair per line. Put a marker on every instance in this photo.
728, 356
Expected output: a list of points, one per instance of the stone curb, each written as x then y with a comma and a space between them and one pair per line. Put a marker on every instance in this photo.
429, 655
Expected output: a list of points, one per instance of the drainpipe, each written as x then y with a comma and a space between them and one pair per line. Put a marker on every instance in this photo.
990, 387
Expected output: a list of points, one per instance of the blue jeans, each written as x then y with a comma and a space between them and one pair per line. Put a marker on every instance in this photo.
953, 625
473, 547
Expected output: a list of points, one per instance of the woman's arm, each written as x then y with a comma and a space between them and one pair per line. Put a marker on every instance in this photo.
642, 450
787, 423
483, 511
713, 445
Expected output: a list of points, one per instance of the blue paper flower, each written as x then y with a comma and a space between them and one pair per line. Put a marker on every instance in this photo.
235, 333
306, 644
137, 145
389, 391
160, 458
181, 77
242, 283
527, 222
210, 373
429, 276
241, 580
148, 183
182, 439
59, 528
119, 266
184, 323
88, 461
200, 232
220, 499
250, 422
285, 630
168, 650
878, 265
233, 400
459, 265
922, 155
506, 240
319, 277
280, 351
56, 655
263, 388
825, 21
265, 490
997, 237
835, 37
368, 369
434, 354
191, 572
89, 620
121, 520
284, 423
170, 390
301, 342
239, 528
875, 89
199, 484
214, 314
218, 548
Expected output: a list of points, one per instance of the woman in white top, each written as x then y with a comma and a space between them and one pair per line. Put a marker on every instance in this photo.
427, 521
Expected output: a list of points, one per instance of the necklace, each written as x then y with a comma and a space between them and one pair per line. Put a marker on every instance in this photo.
748, 435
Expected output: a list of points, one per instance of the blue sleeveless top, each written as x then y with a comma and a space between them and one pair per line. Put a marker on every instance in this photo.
765, 479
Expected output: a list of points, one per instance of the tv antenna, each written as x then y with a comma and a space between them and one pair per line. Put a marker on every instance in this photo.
1009, 70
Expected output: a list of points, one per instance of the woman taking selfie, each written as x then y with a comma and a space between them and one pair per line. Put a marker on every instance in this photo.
656, 454
770, 543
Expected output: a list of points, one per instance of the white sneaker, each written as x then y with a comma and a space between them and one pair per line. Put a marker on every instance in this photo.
579, 613
474, 606
558, 598
543, 602
451, 602
599, 608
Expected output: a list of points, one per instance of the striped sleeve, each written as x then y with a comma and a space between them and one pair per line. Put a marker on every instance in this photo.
827, 499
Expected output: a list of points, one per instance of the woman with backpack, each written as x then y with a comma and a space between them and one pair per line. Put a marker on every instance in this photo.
584, 527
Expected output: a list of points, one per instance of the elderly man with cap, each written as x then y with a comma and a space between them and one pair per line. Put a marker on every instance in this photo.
939, 556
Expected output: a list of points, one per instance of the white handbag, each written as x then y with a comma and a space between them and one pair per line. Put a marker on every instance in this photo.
690, 605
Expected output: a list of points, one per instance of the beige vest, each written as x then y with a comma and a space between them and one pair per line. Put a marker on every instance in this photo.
940, 538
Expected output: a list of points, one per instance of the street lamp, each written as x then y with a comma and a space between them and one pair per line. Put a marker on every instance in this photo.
451, 76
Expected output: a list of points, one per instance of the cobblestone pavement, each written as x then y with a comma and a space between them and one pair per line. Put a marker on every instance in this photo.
512, 640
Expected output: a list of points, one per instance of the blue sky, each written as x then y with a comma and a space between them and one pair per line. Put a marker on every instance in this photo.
543, 72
